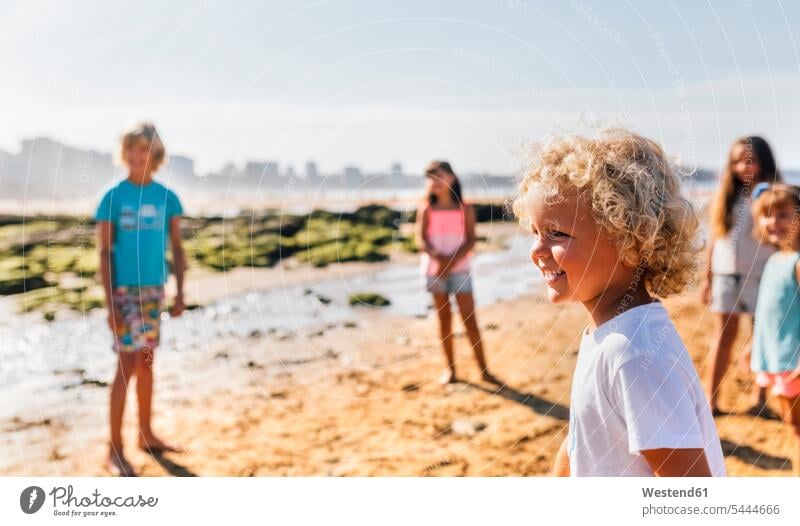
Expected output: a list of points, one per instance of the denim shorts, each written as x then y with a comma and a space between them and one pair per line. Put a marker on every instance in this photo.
733, 293
459, 283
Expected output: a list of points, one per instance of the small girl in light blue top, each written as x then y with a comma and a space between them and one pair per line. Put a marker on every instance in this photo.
776, 339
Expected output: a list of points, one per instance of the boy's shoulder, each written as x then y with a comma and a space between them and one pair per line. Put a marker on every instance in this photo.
645, 333
111, 186
156, 185
111, 193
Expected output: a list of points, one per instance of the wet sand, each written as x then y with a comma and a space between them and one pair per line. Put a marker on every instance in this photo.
363, 400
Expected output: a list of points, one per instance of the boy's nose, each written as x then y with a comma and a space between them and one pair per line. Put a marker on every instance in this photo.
539, 249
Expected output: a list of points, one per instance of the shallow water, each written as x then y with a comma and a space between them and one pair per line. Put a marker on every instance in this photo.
36, 353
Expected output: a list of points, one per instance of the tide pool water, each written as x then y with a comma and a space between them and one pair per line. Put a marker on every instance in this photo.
34, 350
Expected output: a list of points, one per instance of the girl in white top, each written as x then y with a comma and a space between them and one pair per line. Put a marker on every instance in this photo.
735, 259
612, 231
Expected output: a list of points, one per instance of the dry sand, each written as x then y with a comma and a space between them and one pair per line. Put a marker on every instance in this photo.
364, 400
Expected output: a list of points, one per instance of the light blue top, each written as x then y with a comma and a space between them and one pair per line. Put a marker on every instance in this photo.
776, 340
140, 215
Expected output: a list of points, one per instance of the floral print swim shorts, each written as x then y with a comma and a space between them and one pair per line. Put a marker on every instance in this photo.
139, 311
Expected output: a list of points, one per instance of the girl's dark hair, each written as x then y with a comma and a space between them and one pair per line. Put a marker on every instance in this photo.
455, 188
730, 186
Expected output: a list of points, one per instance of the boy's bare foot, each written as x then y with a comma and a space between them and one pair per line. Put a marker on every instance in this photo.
448, 377
118, 465
490, 378
156, 445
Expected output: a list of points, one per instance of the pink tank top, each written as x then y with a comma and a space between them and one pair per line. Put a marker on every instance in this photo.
446, 232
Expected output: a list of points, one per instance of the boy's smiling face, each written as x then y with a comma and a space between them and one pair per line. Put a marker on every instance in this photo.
577, 259
138, 157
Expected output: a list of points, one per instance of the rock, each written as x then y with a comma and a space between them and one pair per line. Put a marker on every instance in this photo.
331, 354
94, 382
467, 428
282, 335
369, 299
323, 299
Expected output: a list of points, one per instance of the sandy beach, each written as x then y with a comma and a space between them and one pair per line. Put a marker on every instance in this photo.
362, 399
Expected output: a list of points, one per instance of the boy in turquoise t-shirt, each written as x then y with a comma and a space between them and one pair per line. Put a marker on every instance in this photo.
135, 219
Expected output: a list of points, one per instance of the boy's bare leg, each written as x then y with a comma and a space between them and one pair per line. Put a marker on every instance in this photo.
442, 304
126, 368
144, 393
466, 305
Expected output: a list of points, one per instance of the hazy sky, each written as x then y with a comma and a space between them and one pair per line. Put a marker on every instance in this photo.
372, 82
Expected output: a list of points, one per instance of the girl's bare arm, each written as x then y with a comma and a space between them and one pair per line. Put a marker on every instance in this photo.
796, 373
421, 232
469, 224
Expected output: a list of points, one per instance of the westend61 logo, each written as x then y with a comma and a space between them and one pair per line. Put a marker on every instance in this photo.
66, 503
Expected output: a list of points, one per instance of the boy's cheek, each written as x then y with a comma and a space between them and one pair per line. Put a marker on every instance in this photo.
560, 254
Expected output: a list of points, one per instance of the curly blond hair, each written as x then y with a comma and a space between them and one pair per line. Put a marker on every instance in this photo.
634, 196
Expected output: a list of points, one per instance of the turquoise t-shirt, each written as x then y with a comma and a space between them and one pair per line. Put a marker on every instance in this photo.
776, 337
140, 215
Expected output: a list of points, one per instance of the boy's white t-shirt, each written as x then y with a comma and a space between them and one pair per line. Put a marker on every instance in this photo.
635, 388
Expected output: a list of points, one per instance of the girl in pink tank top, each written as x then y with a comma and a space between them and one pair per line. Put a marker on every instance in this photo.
446, 232
446, 235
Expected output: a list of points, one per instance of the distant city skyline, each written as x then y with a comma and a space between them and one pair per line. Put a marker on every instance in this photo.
369, 83
57, 150
45, 167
